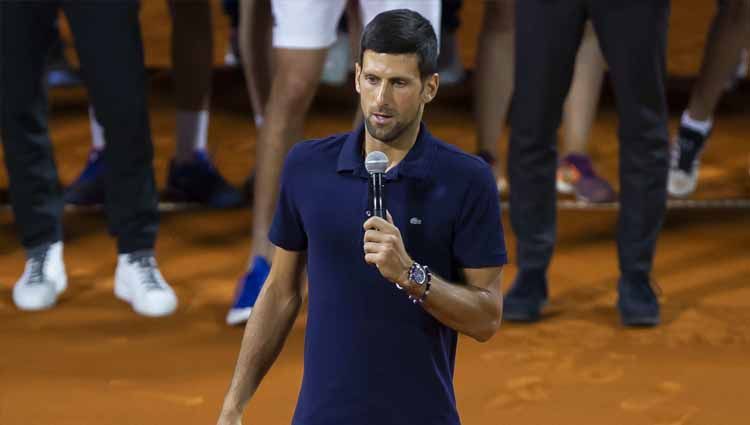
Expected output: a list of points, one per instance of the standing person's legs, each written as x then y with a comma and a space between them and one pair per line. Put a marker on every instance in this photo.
548, 33
192, 177
494, 81
637, 67
298, 61
108, 40
302, 33
26, 32
729, 33
34, 187
576, 174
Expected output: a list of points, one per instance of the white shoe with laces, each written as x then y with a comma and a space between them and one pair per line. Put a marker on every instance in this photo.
43, 279
139, 283
685, 162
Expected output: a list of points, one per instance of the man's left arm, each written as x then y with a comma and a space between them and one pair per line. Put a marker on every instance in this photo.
474, 308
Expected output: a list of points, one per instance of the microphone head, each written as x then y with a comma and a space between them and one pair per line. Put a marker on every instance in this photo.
376, 162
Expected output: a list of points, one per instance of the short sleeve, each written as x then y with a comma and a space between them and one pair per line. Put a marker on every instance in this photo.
287, 230
479, 240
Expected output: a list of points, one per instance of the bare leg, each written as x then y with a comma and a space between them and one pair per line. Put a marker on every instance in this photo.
295, 80
494, 75
192, 60
729, 33
255, 51
580, 107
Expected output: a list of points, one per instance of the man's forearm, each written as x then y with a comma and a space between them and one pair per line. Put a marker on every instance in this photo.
468, 309
265, 333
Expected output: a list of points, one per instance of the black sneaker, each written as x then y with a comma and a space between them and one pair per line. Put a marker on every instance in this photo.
199, 181
638, 303
526, 298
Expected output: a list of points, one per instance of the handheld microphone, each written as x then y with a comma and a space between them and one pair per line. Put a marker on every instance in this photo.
376, 163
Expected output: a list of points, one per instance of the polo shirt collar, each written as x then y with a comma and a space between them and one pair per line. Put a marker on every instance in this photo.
416, 164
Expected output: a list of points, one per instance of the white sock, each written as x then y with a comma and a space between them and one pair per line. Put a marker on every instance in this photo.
702, 127
258, 120
97, 132
192, 132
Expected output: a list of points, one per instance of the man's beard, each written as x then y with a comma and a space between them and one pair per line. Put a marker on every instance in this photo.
387, 136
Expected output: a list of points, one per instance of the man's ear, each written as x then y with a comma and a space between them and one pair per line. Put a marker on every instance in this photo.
357, 71
430, 89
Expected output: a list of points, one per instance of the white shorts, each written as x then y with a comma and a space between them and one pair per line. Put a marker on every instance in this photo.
311, 24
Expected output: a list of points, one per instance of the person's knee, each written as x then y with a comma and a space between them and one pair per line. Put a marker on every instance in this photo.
293, 91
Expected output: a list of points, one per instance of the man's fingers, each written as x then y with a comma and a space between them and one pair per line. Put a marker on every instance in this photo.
372, 258
375, 236
372, 247
373, 223
377, 223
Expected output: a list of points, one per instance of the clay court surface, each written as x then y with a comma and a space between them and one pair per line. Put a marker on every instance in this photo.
91, 360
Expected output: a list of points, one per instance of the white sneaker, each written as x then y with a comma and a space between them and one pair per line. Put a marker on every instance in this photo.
43, 279
681, 184
139, 282
685, 162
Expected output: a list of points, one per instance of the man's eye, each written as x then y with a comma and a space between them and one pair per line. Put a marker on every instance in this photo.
370, 79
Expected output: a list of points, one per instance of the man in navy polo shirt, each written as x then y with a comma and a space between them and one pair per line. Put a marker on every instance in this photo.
386, 297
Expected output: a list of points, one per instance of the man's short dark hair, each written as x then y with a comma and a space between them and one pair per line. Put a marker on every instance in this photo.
402, 31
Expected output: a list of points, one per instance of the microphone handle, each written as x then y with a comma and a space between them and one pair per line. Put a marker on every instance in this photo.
377, 198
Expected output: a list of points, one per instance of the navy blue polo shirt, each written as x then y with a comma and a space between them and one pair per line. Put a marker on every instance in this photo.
371, 355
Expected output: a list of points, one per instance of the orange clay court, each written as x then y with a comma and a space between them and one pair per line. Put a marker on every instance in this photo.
91, 360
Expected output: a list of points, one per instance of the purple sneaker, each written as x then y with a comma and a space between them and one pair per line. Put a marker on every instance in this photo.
576, 175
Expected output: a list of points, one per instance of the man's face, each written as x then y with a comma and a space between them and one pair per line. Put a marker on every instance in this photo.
392, 94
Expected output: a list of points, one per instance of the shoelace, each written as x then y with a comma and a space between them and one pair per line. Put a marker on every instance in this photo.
687, 150
36, 274
146, 265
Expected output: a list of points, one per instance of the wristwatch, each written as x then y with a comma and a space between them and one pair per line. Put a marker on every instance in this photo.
421, 276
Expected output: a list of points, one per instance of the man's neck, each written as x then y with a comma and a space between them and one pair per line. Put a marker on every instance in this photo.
395, 150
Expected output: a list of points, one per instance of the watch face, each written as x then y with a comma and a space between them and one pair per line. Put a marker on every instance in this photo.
418, 276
